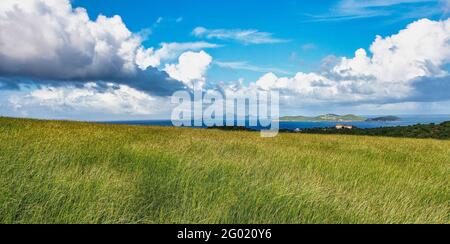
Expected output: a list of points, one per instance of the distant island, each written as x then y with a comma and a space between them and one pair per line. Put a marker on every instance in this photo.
324, 118
384, 119
337, 118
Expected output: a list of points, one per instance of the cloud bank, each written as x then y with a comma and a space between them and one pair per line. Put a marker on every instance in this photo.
72, 63
49, 41
111, 98
400, 68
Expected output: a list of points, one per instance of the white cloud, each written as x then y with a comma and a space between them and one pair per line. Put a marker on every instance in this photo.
356, 9
308, 86
246, 37
392, 72
111, 99
168, 52
191, 68
50, 39
419, 50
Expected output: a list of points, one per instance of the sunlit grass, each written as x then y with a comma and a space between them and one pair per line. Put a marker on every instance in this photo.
66, 172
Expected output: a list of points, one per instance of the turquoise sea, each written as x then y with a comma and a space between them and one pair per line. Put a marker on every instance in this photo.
406, 120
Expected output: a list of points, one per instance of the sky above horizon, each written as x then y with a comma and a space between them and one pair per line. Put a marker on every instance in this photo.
116, 60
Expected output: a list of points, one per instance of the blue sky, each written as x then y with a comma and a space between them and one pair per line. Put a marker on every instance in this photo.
61, 60
312, 27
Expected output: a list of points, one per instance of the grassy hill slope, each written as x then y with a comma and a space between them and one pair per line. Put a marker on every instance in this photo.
436, 131
66, 172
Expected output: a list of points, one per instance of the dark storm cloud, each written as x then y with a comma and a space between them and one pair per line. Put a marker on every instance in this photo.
44, 42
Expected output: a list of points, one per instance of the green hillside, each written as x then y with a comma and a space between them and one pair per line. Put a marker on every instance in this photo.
67, 172
436, 131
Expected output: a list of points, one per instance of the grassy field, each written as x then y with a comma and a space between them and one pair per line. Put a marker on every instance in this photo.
66, 172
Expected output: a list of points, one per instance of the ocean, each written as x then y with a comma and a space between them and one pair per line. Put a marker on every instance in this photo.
406, 120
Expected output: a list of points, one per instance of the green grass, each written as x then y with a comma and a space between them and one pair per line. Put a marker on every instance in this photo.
67, 172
